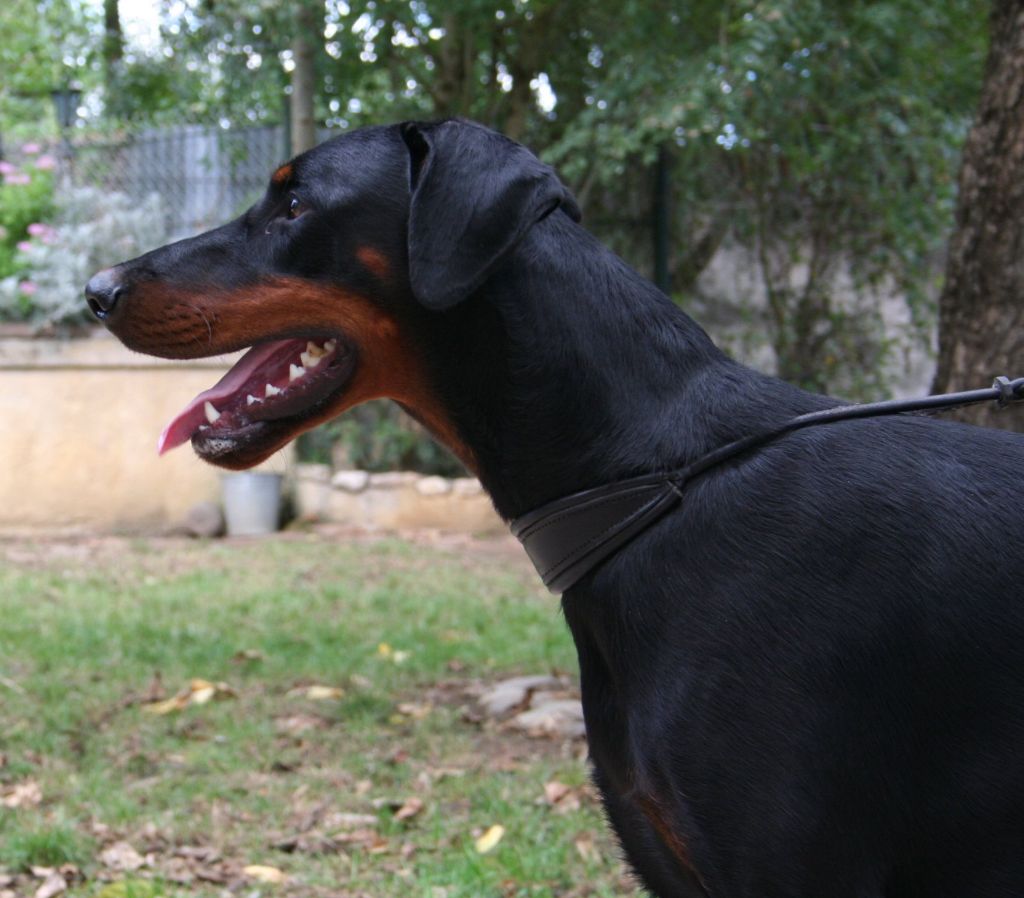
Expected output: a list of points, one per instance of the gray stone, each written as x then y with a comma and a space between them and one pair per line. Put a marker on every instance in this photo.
351, 481
205, 520
466, 486
559, 717
433, 486
393, 479
514, 693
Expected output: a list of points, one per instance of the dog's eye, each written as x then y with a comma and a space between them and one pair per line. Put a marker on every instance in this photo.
295, 207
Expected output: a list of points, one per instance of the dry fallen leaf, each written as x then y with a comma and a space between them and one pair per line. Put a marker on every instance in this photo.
202, 691
555, 791
262, 873
490, 839
296, 724
587, 850
564, 799
416, 712
22, 795
168, 706
318, 692
387, 652
202, 695
199, 692
348, 820
121, 856
409, 809
247, 655
54, 884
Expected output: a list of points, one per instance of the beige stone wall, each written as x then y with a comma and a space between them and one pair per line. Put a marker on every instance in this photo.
79, 420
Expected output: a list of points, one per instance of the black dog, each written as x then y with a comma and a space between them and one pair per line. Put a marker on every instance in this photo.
807, 679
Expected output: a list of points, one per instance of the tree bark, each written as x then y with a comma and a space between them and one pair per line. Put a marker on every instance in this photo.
113, 50
981, 310
450, 81
303, 79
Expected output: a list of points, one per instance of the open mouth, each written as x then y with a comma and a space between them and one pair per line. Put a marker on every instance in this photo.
272, 389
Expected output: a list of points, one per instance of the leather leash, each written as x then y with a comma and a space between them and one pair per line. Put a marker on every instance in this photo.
569, 537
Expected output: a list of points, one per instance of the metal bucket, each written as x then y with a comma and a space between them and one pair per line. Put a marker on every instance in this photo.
252, 503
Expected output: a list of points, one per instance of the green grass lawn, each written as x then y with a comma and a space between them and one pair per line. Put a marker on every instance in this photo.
382, 790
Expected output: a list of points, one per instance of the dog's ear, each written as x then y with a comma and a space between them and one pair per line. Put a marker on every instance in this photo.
474, 194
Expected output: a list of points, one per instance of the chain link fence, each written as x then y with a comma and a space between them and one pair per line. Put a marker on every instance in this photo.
203, 174
70, 207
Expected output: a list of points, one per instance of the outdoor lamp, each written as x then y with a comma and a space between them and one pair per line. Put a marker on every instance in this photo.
65, 103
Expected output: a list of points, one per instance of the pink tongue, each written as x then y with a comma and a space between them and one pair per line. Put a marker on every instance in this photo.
181, 427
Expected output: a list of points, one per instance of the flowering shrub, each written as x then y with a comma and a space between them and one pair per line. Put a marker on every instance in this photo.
94, 229
26, 196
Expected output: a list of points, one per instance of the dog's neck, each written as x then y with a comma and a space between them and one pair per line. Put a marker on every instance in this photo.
590, 374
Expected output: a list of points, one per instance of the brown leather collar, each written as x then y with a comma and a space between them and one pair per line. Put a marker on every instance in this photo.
568, 538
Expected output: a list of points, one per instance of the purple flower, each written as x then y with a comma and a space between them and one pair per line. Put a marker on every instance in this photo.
17, 178
46, 163
6, 168
31, 149
24, 246
39, 229
29, 288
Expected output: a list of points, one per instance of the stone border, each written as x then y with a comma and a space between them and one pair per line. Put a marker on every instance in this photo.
394, 500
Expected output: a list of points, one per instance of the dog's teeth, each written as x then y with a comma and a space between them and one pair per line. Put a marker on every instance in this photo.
310, 361
295, 372
251, 400
211, 413
271, 390
330, 345
314, 350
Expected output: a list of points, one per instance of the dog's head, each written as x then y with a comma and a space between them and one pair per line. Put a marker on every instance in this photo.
331, 279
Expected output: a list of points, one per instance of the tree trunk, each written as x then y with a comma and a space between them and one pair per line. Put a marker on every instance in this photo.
450, 59
303, 80
661, 219
981, 310
113, 49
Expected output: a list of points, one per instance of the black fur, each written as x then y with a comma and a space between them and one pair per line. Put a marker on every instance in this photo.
805, 682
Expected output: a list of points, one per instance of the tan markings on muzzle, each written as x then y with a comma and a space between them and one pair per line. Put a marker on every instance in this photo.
171, 322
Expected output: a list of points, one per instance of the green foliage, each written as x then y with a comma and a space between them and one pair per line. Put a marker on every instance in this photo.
94, 229
379, 436
820, 137
44, 44
26, 198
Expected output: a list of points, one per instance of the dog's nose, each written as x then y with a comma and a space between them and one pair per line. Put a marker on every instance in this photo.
102, 292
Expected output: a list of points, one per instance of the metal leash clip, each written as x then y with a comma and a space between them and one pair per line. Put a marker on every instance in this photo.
1009, 390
